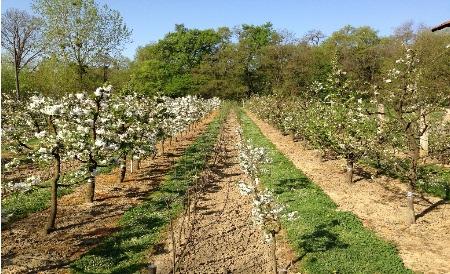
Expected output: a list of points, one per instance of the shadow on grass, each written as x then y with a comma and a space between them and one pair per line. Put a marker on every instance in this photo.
125, 251
322, 239
290, 184
127, 246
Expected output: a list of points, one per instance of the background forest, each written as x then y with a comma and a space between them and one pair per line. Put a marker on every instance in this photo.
84, 50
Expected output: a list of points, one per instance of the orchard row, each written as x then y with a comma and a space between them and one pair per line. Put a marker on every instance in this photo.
98, 129
400, 124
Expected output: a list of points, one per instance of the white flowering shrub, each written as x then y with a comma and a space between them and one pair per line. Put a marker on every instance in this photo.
390, 125
92, 130
252, 158
95, 129
33, 132
415, 114
266, 212
440, 142
340, 123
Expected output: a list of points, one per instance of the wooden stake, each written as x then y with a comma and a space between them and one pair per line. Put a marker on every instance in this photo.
151, 269
274, 253
172, 235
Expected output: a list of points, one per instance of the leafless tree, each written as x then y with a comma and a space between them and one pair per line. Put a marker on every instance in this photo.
313, 37
21, 38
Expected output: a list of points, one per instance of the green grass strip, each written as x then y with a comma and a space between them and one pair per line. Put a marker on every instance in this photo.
326, 240
21, 204
141, 226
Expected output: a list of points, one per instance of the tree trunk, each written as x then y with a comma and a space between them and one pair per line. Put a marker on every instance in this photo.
321, 156
54, 191
411, 212
350, 165
16, 76
80, 75
92, 165
90, 189
414, 147
90, 192
122, 169
132, 165
105, 74
381, 118
411, 189
56, 175
424, 136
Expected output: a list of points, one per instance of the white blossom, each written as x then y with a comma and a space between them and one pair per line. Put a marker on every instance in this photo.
99, 143
98, 92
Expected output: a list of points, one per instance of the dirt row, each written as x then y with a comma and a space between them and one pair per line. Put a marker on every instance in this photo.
380, 203
80, 226
217, 235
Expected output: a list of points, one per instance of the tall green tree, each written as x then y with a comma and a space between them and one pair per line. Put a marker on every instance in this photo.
82, 32
166, 66
358, 52
252, 40
218, 75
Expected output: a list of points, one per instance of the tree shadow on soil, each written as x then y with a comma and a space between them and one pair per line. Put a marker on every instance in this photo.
431, 208
363, 174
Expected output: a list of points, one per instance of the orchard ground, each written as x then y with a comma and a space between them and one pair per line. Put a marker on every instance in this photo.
379, 203
82, 226
222, 234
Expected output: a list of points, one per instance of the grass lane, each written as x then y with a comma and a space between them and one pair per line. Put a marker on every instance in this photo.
20, 204
326, 240
141, 226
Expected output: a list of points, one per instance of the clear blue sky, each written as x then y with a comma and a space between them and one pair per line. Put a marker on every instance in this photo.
151, 19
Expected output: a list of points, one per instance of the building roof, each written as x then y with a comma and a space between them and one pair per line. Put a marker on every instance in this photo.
442, 26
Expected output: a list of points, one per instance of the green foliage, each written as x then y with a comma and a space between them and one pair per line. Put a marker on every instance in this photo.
55, 77
217, 75
8, 84
165, 67
336, 119
435, 180
431, 178
82, 33
141, 227
252, 40
325, 239
358, 52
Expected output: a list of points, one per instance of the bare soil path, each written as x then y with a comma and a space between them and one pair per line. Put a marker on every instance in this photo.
220, 235
380, 204
80, 226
